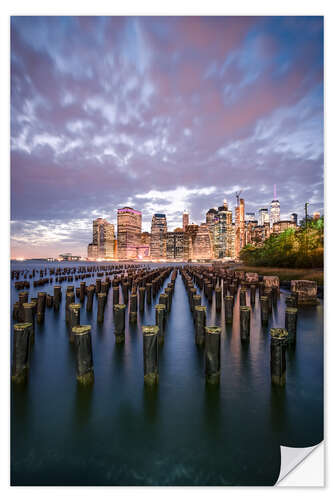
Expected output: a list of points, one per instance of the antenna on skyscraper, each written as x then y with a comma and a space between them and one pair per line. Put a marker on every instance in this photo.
274, 192
237, 196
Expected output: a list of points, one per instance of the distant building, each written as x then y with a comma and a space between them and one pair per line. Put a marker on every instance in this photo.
250, 216
103, 243
222, 232
239, 227
202, 244
263, 216
158, 236
69, 257
177, 245
283, 225
294, 218
129, 224
92, 251
316, 215
186, 220
145, 238
275, 211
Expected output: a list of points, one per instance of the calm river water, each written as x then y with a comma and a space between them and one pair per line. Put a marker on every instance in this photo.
183, 432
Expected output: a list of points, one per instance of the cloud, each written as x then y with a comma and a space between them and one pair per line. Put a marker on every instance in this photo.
161, 113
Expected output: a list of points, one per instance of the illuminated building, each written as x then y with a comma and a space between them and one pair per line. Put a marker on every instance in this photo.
222, 232
250, 231
294, 218
263, 216
158, 236
275, 211
250, 216
177, 247
69, 257
186, 220
283, 225
129, 223
239, 227
92, 251
211, 221
102, 245
107, 247
146, 239
202, 243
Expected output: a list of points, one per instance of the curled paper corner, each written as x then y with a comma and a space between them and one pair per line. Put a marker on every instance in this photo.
291, 458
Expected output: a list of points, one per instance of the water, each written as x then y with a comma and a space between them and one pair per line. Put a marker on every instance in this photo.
181, 433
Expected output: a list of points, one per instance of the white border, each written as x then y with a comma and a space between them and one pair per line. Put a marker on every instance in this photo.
142, 7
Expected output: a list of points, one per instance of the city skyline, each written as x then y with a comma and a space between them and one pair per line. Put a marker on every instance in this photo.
177, 113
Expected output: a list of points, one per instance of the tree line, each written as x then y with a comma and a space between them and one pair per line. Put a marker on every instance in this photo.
302, 247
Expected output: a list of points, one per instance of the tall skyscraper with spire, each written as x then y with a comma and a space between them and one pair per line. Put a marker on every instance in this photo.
275, 209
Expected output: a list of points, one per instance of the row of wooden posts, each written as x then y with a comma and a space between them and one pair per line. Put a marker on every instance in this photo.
142, 283
211, 336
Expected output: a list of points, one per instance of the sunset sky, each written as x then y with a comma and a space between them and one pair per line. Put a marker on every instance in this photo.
160, 114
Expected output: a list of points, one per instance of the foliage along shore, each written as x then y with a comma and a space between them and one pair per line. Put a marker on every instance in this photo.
298, 249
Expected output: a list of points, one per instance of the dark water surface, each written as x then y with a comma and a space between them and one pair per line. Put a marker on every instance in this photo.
181, 433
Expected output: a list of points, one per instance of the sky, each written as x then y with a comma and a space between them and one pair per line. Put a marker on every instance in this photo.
161, 114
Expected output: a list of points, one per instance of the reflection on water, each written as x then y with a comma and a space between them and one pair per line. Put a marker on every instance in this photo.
182, 431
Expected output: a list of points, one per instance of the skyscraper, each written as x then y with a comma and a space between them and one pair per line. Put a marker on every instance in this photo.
275, 209
129, 224
239, 227
263, 216
186, 220
223, 226
158, 236
202, 243
102, 245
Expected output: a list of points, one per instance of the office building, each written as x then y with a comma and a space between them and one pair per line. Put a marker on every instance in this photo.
129, 224
158, 236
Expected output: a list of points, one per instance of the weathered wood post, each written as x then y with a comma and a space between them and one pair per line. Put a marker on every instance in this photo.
212, 353
56, 297
84, 357
252, 294
164, 299
90, 298
291, 323
228, 308
196, 299
160, 313
148, 292
21, 347
242, 297
119, 322
23, 299
29, 317
218, 299
74, 319
101, 300
41, 302
70, 299
245, 321
264, 309
150, 354
142, 291
115, 295
133, 307
82, 291
200, 324
279, 338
